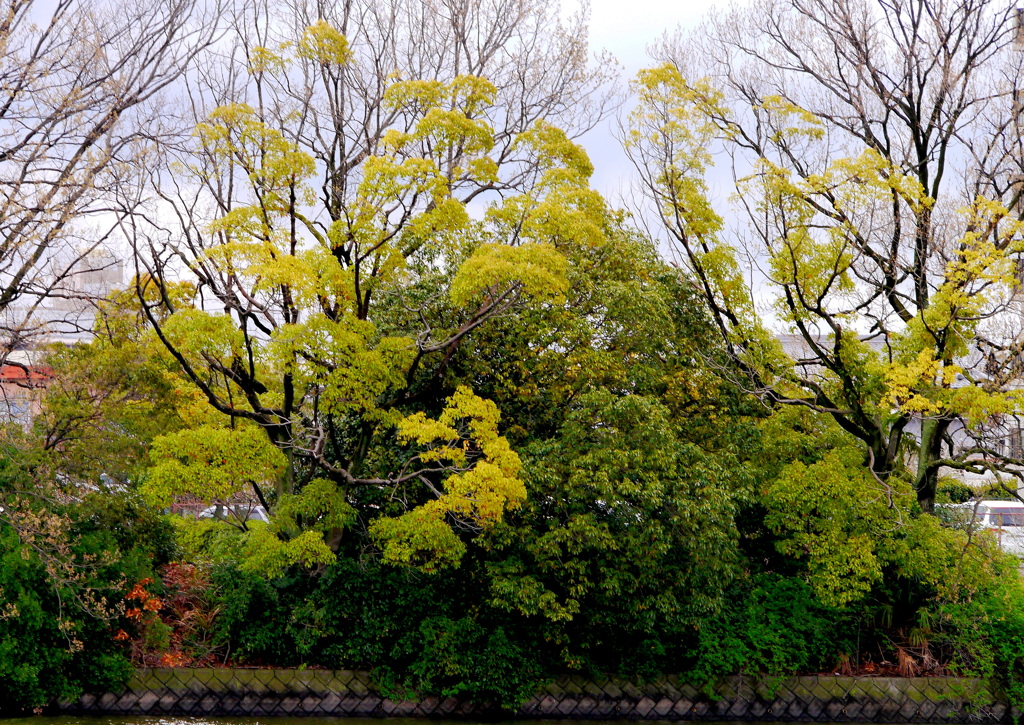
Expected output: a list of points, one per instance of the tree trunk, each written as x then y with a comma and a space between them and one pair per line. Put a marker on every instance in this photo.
929, 452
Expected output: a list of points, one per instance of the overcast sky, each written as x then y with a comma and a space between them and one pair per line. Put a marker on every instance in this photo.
626, 27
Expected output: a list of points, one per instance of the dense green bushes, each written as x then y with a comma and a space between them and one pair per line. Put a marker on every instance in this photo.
48, 648
417, 633
64, 572
610, 568
771, 625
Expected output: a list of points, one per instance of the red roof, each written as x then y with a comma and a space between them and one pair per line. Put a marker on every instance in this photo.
29, 374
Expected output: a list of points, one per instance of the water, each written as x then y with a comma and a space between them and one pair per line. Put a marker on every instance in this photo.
283, 720
274, 720
148, 720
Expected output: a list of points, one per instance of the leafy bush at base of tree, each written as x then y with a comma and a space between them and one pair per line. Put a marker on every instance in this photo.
437, 635
48, 649
64, 576
770, 625
417, 633
985, 633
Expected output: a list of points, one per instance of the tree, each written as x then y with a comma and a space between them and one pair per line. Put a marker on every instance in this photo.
876, 152
80, 98
333, 181
106, 400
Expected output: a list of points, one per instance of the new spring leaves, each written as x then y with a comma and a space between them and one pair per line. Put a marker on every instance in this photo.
325, 325
894, 288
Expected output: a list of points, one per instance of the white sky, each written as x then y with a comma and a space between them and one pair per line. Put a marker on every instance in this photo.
626, 27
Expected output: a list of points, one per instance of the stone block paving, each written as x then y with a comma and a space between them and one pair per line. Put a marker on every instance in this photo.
218, 692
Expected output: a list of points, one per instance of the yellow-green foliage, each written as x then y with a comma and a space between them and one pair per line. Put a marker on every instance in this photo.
269, 555
812, 259
294, 536
324, 44
201, 334
849, 527
674, 116
419, 538
319, 506
833, 514
944, 558
206, 540
234, 135
351, 363
672, 132
540, 268
482, 482
311, 273
818, 259
211, 463
297, 531
449, 115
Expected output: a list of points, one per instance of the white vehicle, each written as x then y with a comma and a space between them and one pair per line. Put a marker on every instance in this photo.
234, 513
1005, 519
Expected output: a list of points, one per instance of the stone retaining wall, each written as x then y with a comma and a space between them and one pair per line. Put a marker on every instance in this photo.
348, 693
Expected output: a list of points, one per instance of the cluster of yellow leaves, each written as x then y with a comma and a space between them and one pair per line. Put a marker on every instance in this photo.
346, 360
321, 43
789, 120
477, 493
909, 381
812, 256
235, 134
923, 376
540, 268
449, 116
324, 44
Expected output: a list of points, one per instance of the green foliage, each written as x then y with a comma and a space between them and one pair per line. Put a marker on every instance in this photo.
770, 625
372, 616
984, 633
952, 490
252, 617
461, 657
64, 573
624, 516
836, 516
210, 463
632, 459
204, 541
320, 506
267, 554
47, 648
498, 449
105, 403
130, 526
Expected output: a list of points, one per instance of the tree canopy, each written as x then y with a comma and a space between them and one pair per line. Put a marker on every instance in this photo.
875, 152
392, 387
